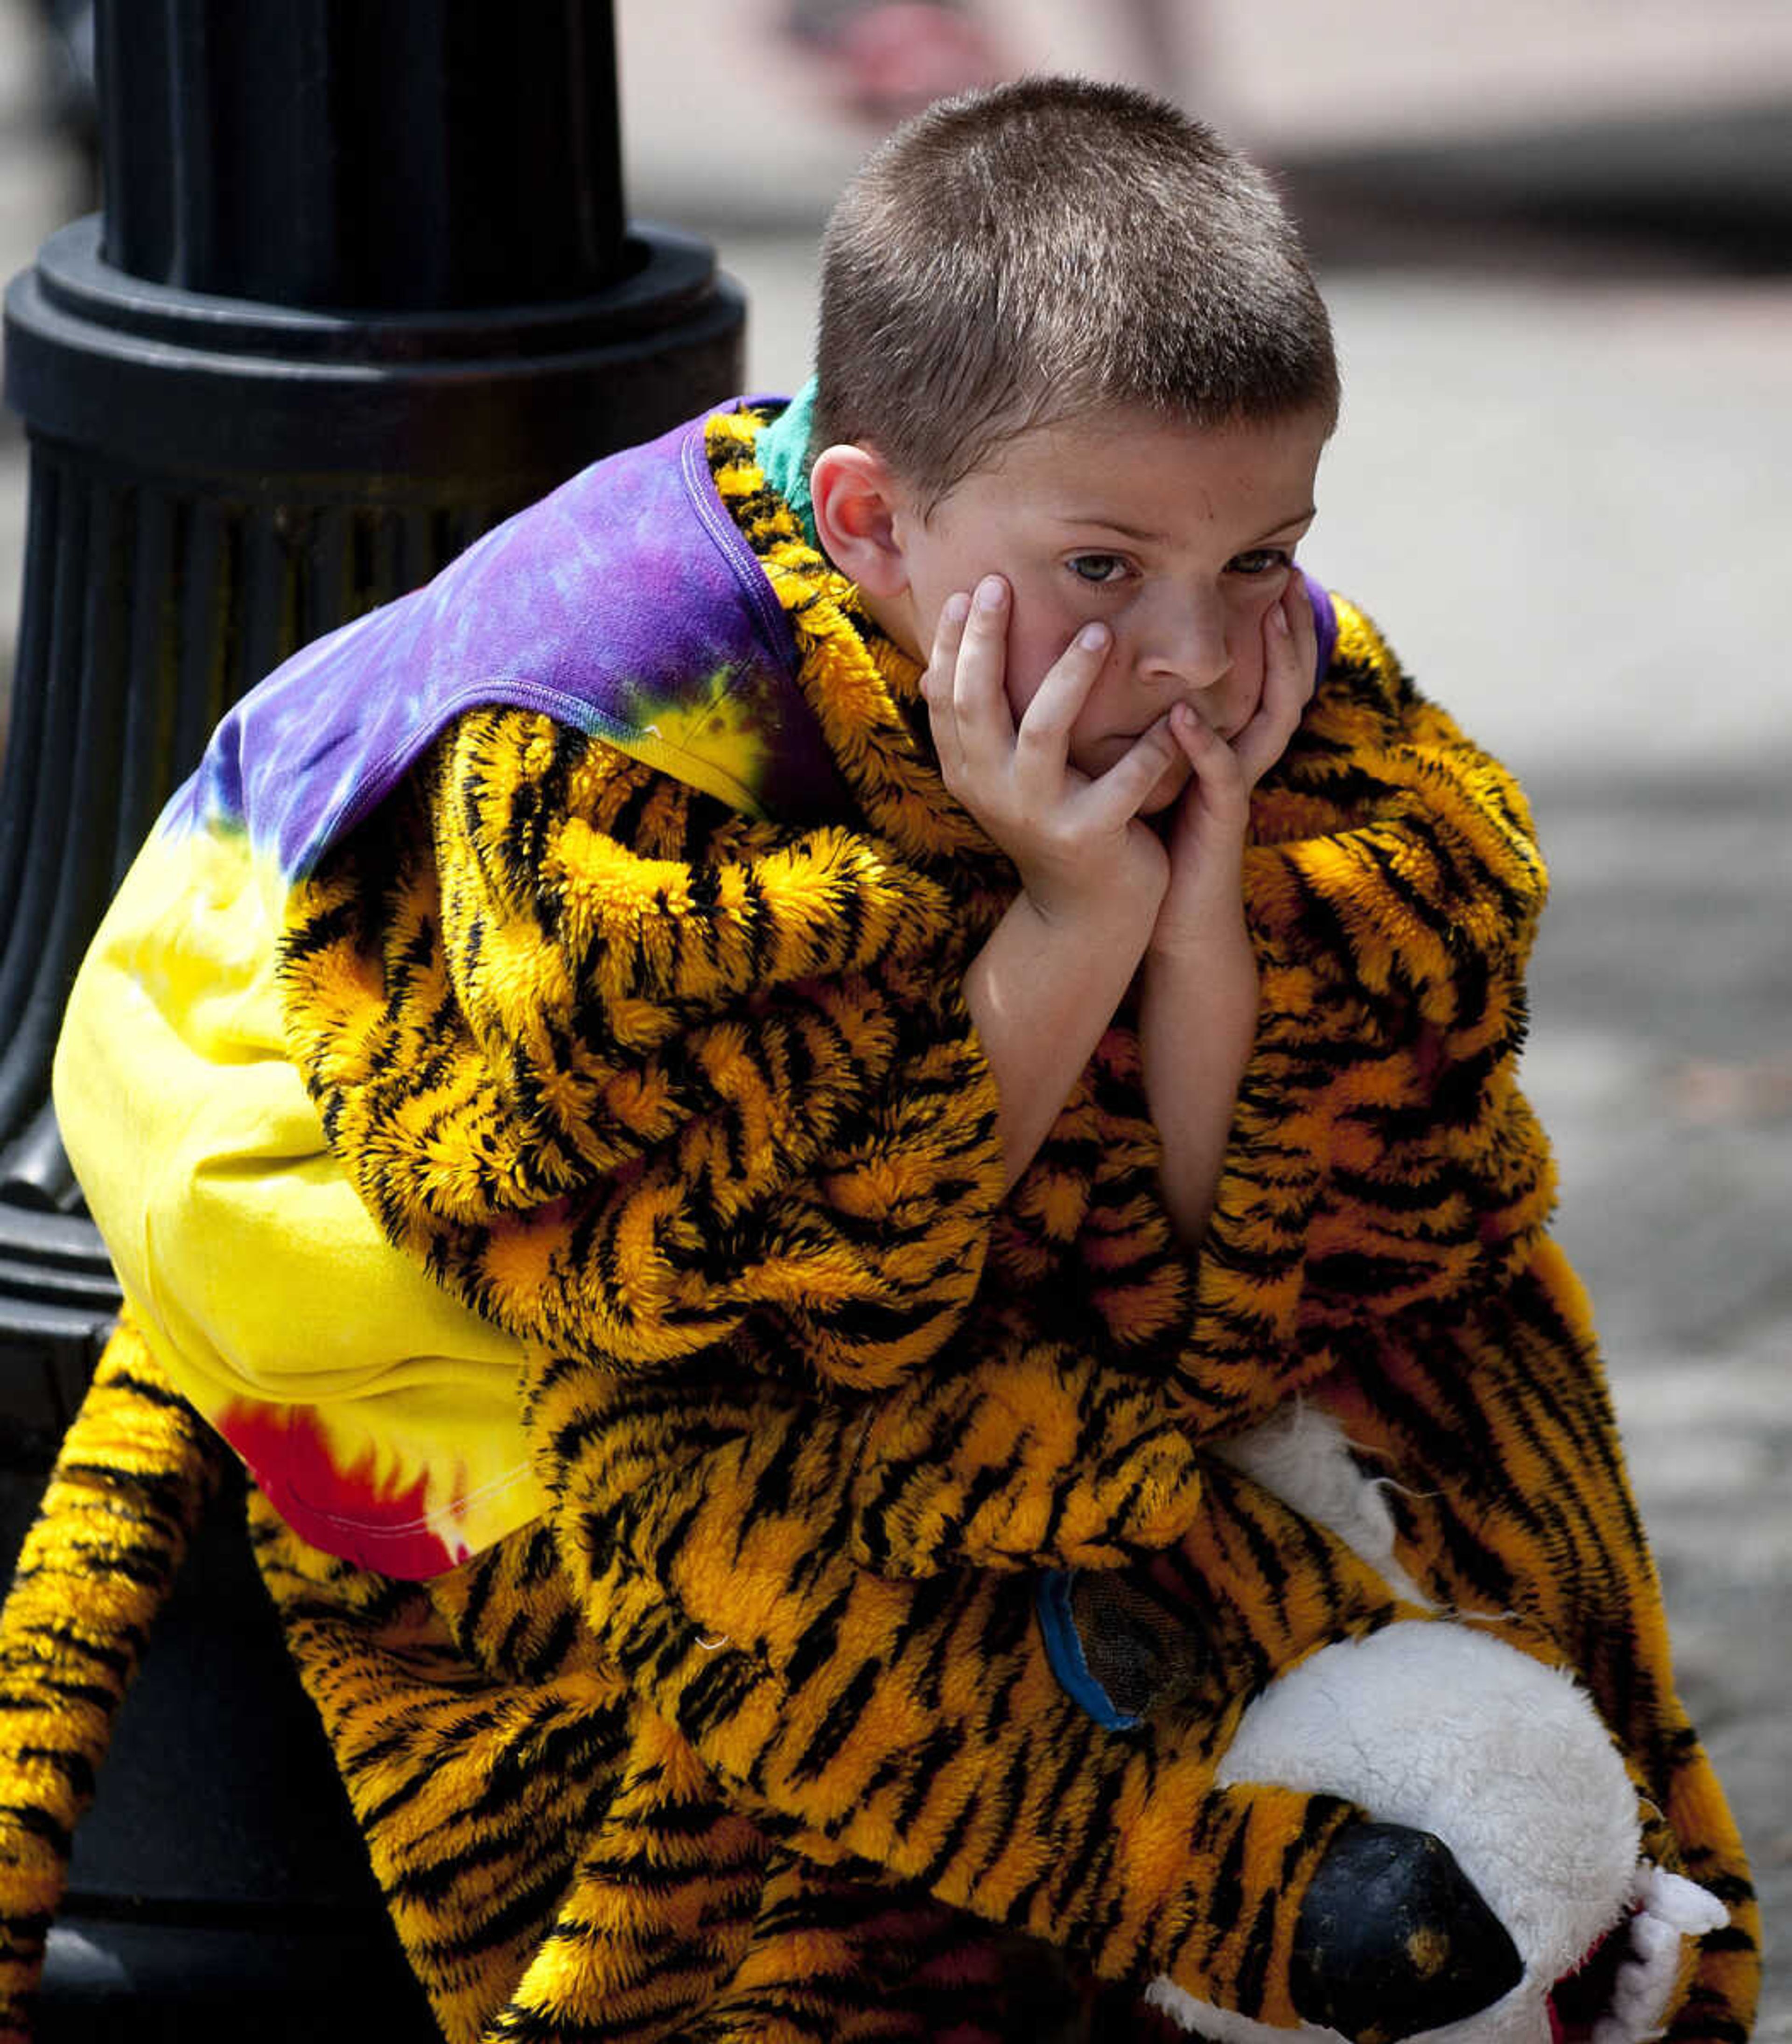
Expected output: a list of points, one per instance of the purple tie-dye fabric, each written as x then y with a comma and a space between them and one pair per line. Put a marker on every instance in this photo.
622, 595
1325, 620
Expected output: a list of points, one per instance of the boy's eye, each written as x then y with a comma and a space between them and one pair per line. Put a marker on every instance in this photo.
1098, 568
1260, 561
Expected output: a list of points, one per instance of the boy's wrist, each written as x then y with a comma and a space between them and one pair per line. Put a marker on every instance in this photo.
1215, 943
1105, 919
1107, 902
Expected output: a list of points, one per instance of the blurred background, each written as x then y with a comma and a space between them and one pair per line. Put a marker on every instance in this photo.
1556, 237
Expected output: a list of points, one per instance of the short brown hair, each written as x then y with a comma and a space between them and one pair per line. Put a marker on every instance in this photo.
1053, 246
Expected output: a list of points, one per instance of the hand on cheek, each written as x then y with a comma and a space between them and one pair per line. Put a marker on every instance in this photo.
1290, 657
1076, 843
1204, 900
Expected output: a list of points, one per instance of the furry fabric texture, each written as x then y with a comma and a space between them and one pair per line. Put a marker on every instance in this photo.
133, 1480
753, 1734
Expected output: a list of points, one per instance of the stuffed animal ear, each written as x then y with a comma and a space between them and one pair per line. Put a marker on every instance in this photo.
1304, 1456
1667, 1913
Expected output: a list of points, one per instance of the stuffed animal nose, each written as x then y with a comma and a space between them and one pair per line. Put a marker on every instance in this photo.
1393, 1939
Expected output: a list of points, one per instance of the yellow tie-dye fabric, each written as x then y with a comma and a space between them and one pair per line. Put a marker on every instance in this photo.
379, 1414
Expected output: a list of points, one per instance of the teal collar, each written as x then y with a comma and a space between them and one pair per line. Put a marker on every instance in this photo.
782, 450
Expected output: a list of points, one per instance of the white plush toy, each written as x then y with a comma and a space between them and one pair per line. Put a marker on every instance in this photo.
1441, 1727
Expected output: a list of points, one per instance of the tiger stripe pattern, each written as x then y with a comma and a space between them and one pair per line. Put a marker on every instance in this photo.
130, 1483
795, 1368
1511, 1496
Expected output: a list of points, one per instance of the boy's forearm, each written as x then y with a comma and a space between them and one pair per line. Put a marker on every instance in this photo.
1041, 992
1198, 1014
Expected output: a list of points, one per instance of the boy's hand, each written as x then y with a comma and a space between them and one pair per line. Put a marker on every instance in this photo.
1205, 898
1078, 844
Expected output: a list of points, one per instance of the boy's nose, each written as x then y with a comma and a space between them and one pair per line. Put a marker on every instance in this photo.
1183, 645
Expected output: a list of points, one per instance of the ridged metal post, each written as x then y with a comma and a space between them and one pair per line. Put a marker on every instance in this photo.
362, 286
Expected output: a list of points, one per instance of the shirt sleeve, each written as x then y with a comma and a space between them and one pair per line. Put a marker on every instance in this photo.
625, 1069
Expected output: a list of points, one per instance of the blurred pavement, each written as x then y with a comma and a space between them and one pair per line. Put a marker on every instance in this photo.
1560, 484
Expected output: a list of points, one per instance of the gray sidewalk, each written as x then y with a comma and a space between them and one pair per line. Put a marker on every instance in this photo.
1560, 485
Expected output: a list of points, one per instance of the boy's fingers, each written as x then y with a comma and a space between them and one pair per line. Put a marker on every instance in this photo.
1118, 793
980, 702
1290, 639
1291, 658
1305, 626
1045, 732
1208, 752
938, 683
948, 635
1221, 769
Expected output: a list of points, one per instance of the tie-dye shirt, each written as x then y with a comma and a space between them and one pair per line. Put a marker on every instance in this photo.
377, 1414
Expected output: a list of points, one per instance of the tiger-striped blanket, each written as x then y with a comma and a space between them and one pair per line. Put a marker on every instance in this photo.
751, 1734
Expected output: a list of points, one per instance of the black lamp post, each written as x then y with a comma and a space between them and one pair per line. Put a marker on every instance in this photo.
362, 286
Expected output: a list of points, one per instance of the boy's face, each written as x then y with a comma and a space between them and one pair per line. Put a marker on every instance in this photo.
1178, 538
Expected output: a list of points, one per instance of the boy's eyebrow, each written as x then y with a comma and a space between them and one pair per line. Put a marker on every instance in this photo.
1112, 524
1299, 518
1146, 537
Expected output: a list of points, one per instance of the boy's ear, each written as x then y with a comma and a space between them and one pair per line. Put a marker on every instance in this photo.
861, 512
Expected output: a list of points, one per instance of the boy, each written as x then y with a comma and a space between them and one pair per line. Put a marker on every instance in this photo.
693, 1161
